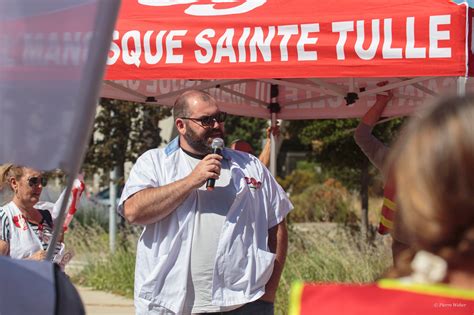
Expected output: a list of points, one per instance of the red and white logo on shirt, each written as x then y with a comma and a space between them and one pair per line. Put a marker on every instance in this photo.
253, 183
20, 222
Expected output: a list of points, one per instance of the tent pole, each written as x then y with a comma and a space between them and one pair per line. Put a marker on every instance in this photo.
461, 85
273, 147
113, 194
274, 108
394, 85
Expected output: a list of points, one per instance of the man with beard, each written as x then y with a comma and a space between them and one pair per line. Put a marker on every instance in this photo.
219, 251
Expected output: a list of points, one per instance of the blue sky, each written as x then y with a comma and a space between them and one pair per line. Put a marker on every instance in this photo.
469, 2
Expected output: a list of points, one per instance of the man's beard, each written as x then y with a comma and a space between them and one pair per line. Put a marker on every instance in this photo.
202, 144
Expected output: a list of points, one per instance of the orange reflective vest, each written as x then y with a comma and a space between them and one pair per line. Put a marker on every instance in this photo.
388, 208
387, 297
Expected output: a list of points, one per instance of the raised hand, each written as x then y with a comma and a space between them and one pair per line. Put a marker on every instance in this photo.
275, 130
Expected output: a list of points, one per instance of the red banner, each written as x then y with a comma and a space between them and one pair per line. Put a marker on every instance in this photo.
158, 39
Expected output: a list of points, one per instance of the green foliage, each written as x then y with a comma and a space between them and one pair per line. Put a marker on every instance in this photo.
334, 148
327, 202
316, 196
114, 273
301, 178
92, 216
146, 133
349, 175
103, 270
114, 125
122, 131
87, 240
252, 130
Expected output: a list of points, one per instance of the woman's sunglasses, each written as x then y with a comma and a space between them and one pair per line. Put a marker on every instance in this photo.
208, 121
35, 181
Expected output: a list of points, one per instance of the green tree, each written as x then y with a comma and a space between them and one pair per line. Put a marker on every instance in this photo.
122, 131
252, 130
333, 147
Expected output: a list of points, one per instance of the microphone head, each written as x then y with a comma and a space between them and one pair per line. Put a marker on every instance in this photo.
217, 143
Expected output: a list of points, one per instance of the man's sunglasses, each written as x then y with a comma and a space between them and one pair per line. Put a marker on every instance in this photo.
208, 121
35, 181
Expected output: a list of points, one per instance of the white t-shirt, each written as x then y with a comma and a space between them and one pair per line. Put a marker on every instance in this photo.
211, 210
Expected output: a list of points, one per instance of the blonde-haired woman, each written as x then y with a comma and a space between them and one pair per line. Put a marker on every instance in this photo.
24, 231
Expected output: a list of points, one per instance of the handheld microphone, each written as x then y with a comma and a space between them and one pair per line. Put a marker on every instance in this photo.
216, 147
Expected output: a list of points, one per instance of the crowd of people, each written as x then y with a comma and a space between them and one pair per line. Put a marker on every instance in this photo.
223, 251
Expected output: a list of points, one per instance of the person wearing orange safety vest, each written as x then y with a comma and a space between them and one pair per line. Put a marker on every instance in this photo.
387, 296
377, 152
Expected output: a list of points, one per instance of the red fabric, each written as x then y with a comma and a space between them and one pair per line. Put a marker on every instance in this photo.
383, 229
36, 41
469, 44
332, 299
310, 24
76, 194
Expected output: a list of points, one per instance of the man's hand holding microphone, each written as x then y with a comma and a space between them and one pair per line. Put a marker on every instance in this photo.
209, 169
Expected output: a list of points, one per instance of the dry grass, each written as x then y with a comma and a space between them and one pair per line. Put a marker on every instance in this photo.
375, 206
318, 252
330, 253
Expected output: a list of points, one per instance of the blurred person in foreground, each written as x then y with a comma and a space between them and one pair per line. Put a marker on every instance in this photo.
205, 251
377, 152
434, 174
433, 166
36, 287
264, 157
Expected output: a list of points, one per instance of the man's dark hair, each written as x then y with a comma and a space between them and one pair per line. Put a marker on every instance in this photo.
181, 105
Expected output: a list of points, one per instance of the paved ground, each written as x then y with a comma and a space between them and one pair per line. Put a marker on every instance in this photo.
102, 303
